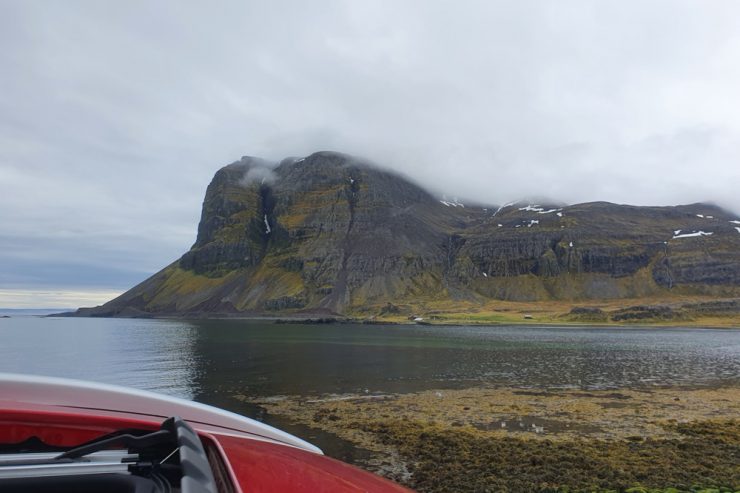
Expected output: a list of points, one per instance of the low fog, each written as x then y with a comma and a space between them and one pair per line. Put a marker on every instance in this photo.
115, 115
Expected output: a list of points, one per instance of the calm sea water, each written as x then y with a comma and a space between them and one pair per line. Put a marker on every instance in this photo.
211, 361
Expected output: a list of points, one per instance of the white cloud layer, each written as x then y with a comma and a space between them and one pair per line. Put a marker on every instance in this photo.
115, 115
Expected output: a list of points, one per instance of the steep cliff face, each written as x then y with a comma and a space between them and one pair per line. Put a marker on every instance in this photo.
333, 233
601, 250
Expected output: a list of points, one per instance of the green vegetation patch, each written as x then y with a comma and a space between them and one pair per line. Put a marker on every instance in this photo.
183, 282
442, 459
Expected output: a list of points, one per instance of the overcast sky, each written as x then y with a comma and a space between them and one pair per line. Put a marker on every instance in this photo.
114, 115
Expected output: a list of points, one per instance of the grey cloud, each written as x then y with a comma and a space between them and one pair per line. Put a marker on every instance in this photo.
262, 173
115, 115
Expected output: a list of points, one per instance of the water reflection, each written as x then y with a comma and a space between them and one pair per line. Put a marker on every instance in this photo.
213, 360
145, 354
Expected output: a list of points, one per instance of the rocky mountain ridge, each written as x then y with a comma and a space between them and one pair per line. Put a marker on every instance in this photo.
330, 233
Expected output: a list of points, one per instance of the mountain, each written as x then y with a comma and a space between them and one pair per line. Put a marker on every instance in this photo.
330, 233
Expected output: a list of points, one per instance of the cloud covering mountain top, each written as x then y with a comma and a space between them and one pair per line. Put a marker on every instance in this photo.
114, 115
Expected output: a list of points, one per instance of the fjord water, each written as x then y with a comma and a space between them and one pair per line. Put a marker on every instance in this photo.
203, 359
215, 361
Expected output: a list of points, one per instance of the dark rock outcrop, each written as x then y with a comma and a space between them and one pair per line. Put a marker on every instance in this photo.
331, 233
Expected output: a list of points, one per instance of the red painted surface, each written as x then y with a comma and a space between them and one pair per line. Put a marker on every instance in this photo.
60, 428
265, 467
255, 464
97, 399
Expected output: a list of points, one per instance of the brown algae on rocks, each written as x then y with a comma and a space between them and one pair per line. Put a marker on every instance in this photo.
518, 440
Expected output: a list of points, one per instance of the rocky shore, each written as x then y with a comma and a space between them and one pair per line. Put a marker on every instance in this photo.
700, 312
521, 440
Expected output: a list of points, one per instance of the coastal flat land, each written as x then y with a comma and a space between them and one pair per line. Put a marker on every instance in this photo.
521, 440
689, 311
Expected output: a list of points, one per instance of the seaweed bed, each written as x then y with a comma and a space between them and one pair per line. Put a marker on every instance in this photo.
510, 440
458, 460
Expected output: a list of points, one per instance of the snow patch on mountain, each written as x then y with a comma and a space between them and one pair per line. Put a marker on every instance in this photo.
692, 235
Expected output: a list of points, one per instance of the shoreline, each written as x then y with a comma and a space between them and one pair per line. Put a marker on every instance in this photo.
682, 311
435, 440
732, 324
